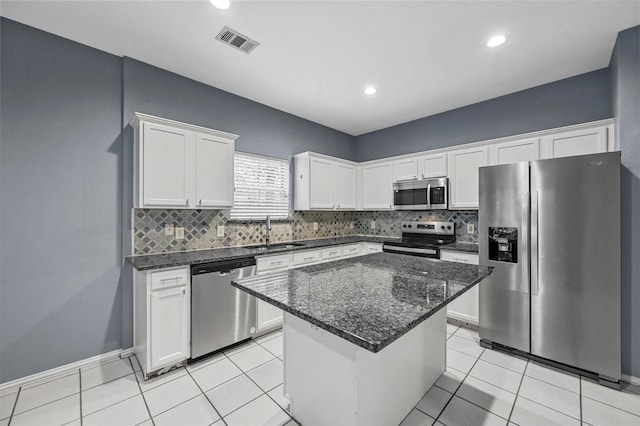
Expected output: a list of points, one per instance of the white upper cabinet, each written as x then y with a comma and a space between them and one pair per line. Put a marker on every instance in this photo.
377, 186
514, 151
345, 186
576, 142
405, 169
165, 155
432, 166
179, 165
463, 176
323, 183
214, 171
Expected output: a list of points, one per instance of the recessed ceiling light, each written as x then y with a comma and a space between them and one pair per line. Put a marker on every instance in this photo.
220, 4
496, 41
370, 90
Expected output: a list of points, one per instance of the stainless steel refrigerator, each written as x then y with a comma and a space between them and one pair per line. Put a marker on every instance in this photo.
551, 229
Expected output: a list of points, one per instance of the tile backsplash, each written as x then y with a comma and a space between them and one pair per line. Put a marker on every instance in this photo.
200, 227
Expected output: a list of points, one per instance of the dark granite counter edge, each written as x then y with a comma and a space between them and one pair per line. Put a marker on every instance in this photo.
357, 340
247, 251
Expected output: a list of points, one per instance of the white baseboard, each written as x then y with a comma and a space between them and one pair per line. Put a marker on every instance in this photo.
68, 368
631, 379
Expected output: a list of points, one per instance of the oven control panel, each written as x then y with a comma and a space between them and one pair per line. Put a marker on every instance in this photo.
434, 228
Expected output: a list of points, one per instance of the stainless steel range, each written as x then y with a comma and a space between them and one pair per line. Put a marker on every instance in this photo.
422, 238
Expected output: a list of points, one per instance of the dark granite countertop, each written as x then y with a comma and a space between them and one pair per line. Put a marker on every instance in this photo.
461, 247
370, 300
195, 257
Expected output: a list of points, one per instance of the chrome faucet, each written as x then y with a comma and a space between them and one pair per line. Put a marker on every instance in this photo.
268, 228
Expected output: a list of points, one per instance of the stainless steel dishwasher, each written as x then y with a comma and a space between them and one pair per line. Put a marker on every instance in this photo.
221, 315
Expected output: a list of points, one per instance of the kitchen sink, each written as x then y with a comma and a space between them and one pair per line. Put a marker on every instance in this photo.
289, 245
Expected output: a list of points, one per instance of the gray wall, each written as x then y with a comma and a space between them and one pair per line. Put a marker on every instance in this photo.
625, 82
60, 252
570, 101
262, 129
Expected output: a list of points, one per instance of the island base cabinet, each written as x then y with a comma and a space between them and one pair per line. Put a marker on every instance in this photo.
362, 388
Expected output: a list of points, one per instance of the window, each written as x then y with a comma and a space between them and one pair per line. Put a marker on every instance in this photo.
261, 187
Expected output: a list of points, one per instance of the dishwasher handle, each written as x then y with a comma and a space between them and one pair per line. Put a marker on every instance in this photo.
224, 267
225, 273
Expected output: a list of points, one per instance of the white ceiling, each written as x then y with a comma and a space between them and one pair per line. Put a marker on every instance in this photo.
316, 57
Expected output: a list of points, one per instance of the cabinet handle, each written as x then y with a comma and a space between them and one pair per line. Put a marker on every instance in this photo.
306, 259
200, 202
164, 280
279, 262
338, 205
333, 252
186, 203
422, 175
457, 259
184, 291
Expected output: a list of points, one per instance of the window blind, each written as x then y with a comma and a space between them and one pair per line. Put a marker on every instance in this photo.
261, 187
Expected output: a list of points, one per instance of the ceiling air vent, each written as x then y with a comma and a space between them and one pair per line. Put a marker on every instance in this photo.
235, 39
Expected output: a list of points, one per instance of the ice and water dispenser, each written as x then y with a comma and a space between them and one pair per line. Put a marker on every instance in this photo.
503, 244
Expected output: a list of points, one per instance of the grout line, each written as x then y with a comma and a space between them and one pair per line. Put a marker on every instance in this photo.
205, 395
554, 385
142, 393
517, 392
546, 406
263, 393
15, 404
609, 405
458, 388
80, 396
580, 396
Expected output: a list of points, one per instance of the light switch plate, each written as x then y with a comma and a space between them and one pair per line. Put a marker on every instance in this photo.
179, 233
168, 229
220, 230
372, 225
315, 226
470, 228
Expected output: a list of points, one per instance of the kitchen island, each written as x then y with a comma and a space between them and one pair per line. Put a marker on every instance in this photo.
364, 338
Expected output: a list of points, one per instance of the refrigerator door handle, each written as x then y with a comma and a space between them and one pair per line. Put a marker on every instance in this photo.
534, 244
526, 201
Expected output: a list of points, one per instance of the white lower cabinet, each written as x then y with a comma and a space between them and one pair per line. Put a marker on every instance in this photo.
162, 300
465, 307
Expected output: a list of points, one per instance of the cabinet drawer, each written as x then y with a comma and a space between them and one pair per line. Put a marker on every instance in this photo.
350, 250
272, 263
456, 256
331, 253
169, 278
301, 258
371, 248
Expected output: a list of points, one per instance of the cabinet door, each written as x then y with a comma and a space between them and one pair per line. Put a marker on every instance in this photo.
169, 326
214, 172
515, 151
463, 176
434, 165
321, 184
405, 169
465, 307
345, 187
377, 182
268, 315
577, 142
167, 166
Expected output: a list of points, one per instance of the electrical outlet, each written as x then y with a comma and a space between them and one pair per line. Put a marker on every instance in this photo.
220, 230
168, 229
372, 225
179, 232
315, 226
470, 228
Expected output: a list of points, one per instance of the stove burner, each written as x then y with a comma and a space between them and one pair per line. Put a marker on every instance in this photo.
422, 238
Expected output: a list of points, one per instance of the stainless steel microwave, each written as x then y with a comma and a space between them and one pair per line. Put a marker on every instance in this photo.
427, 194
